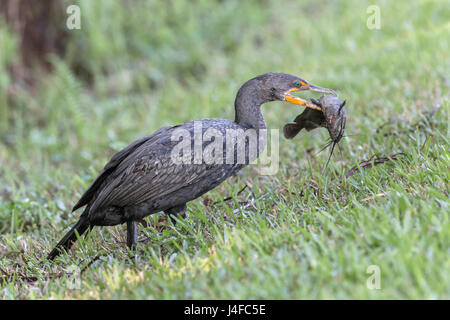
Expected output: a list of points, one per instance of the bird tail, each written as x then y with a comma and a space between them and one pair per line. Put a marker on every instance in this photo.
290, 130
69, 239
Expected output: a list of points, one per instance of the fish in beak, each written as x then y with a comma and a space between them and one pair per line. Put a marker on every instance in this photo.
304, 85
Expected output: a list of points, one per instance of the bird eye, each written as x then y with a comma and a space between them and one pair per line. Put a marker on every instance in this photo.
297, 84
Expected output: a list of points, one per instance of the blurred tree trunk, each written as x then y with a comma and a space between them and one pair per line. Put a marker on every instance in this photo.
41, 30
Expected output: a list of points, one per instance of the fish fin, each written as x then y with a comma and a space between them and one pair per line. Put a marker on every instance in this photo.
290, 130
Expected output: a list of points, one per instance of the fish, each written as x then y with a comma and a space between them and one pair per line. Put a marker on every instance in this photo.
332, 116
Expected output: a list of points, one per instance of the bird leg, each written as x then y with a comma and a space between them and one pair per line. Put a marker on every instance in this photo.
172, 212
131, 235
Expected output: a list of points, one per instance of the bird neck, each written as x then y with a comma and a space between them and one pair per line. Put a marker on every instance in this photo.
248, 107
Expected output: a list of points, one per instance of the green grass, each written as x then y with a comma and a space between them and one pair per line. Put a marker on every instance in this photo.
303, 234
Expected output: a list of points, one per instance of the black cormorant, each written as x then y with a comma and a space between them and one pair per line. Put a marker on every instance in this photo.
145, 177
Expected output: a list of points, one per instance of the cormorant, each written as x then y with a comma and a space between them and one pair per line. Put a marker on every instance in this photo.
149, 175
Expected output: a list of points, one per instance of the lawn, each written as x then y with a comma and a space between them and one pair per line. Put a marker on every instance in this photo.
299, 234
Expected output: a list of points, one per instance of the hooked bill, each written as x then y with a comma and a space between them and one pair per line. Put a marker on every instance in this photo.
332, 116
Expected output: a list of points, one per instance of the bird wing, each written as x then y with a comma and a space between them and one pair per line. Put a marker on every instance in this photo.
150, 176
115, 161
145, 170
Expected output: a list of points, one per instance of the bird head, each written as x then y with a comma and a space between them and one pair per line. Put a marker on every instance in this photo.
281, 86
